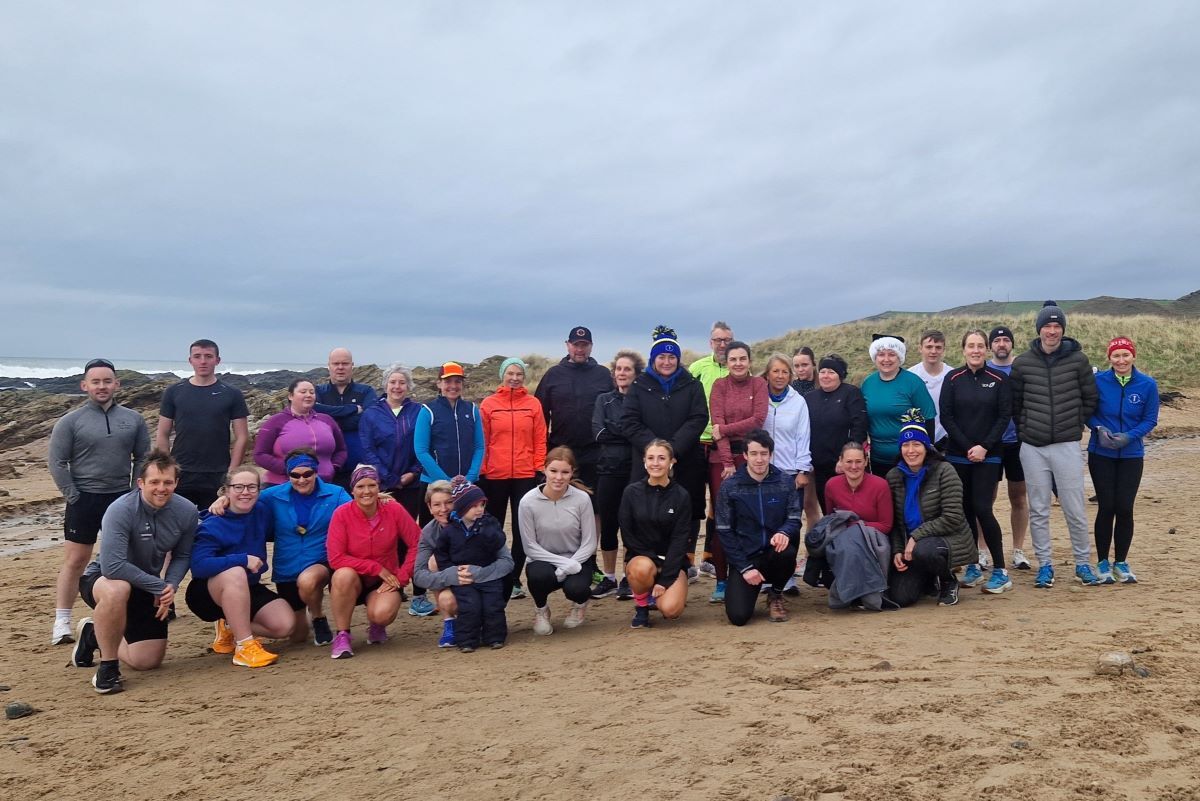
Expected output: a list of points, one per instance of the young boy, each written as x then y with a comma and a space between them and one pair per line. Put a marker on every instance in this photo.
474, 539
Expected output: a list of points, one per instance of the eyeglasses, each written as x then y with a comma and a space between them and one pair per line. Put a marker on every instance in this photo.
251, 488
299, 475
721, 340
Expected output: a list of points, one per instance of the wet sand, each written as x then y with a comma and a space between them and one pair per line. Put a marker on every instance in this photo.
992, 699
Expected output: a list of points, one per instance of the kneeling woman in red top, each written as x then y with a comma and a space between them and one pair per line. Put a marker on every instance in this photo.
856, 490
655, 524
362, 545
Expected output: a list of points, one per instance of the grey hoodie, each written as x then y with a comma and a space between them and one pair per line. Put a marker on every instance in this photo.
137, 538
561, 532
93, 450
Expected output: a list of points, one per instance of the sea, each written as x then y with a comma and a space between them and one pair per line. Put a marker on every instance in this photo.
39, 367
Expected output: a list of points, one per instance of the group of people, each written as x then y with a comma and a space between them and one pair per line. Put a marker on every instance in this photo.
367, 497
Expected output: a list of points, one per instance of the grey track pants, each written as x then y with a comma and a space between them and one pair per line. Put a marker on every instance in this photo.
1059, 465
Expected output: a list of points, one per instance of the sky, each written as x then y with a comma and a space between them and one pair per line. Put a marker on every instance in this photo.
451, 180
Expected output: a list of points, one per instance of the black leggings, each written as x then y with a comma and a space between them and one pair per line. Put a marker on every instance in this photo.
820, 477
776, 567
504, 494
979, 480
609, 490
541, 581
930, 560
1116, 482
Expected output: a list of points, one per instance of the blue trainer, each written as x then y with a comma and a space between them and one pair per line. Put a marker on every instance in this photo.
1045, 577
999, 581
447, 638
1124, 574
421, 607
718, 594
1085, 576
971, 576
1104, 572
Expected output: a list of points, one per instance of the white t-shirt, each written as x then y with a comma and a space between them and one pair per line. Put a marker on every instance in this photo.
933, 383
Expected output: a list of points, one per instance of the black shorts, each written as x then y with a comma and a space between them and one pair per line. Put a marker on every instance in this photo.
81, 522
290, 591
1010, 459
369, 583
204, 607
200, 488
140, 622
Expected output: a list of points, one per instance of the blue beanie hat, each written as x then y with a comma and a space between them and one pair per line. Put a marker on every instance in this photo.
664, 342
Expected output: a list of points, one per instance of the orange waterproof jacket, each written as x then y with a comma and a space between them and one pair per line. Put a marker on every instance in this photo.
514, 430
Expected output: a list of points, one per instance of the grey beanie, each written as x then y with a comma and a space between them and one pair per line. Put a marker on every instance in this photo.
1050, 313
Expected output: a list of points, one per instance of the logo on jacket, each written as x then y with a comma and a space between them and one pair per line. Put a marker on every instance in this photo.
988, 386
670, 511
1135, 398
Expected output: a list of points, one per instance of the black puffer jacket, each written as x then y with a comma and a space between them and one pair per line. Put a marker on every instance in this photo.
568, 393
941, 509
679, 417
615, 456
1053, 395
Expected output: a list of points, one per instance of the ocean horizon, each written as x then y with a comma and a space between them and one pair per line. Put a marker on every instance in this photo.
63, 367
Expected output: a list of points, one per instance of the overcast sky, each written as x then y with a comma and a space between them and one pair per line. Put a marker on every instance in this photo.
426, 181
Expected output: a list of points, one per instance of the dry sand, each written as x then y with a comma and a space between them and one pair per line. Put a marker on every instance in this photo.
995, 698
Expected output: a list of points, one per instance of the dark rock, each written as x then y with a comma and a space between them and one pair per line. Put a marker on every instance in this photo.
18, 709
1020, 745
884, 665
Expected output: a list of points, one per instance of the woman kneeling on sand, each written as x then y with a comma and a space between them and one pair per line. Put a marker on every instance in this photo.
655, 524
558, 529
440, 501
930, 536
228, 560
364, 537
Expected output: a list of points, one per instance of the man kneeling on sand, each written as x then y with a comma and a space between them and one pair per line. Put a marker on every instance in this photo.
124, 587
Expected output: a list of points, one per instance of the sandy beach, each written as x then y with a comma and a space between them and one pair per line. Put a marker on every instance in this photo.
993, 699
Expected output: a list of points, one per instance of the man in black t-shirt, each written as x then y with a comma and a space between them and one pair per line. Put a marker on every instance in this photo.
201, 411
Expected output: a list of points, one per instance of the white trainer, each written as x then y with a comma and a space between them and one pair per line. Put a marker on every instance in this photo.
575, 616
62, 633
541, 621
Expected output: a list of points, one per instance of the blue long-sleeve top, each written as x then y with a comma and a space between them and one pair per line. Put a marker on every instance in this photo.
387, 440
300, 544
441, 462
1130, 409
224, 541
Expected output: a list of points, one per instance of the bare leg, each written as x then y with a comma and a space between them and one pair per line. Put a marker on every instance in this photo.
343, 592
447, 604
275, 620
230, 590
641, 573
76, 555
672, 602
111, 596
608, 561
382, 607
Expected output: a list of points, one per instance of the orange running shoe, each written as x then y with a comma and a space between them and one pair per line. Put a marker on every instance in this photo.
251, 654
223, 641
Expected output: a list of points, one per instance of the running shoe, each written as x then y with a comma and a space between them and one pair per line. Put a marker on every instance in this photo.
1045, 577
790, 589
421, 607
985, 559
517, 593
322, 635
693, 574
1019, 562
62, 633
1104, 572
776, 608
223, 642
575, 616
108, 679
1124, 574
707, 569
949, 594
971, 576
605, 588
541, 621
999, 581
376, 634
447, 638
1085, 576
251, 654
641, 618
718, 594
496, 646
623, 591
597, 576
341, 646
84, 652
466, 649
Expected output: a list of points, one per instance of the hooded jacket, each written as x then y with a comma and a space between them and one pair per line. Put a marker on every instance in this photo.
610, 435
568, 393
295, 551
1053, 394
976, 406
355, 543
388, 440
514, 433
